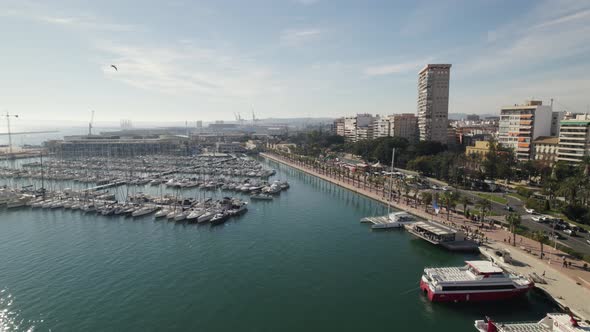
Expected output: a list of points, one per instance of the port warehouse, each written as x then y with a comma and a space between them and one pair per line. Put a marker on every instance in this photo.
148, 144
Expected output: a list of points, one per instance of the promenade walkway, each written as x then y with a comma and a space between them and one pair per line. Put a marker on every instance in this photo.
569, 286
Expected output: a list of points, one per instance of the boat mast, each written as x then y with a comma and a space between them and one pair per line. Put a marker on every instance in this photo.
390, 182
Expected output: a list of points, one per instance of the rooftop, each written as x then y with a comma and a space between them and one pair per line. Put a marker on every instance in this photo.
435, 228
484, 266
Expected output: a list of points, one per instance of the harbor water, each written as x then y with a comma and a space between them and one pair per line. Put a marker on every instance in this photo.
301, 262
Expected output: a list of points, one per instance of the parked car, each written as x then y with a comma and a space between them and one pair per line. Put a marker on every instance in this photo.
570, 232
531, 211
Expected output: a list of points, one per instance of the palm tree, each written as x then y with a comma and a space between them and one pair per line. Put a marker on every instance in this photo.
514, 221
464, 200
541, 238
426, 199
484, 206
406, 188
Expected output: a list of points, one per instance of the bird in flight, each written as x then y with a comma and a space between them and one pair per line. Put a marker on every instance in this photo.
115, 67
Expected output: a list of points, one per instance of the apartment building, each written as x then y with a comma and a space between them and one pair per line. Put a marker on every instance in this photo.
545, 149
433, 102
520, 125
574, 139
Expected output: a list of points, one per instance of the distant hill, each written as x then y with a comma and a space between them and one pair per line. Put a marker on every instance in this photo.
459, 116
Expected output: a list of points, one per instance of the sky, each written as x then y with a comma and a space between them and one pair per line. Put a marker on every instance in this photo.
208, 60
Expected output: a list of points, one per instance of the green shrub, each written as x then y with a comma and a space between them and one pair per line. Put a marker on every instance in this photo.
522, 191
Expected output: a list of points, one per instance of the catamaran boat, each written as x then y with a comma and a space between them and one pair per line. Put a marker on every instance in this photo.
476, 281
555, 322
392, 220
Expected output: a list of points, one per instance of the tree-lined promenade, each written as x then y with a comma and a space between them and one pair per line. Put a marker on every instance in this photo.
558, 188
403, 196
548, 257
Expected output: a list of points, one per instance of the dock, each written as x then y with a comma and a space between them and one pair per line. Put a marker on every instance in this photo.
444, 236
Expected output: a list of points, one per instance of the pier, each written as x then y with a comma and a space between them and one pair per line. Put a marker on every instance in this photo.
442, 235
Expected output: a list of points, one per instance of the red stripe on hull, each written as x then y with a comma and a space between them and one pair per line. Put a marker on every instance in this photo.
471, 297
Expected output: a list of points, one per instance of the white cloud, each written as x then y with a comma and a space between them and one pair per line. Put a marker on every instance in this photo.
553, 30
186, 70
39, 13
395, 68
294, 37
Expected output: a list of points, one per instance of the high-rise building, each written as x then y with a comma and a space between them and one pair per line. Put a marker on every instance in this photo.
520, 125
433, 102
574, 139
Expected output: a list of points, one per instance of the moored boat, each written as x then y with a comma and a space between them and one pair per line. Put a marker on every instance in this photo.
554, 322
476, 281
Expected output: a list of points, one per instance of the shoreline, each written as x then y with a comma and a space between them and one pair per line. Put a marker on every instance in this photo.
562, 288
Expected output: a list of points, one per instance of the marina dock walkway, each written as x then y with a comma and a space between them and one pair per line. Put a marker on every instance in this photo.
569, 286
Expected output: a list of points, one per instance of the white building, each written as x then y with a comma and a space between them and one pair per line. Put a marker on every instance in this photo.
350, 128
433, 102
574, 139
520, 125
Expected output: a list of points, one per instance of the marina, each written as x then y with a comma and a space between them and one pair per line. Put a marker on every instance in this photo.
207, 174
296, 247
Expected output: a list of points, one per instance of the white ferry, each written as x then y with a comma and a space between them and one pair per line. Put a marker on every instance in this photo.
551, 323
476, 281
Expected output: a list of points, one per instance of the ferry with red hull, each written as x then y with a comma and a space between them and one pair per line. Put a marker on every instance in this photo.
476, 281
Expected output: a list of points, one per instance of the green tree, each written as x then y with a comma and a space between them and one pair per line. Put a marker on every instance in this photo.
541, 238
514, 221
426, 197
464, 200
484, 206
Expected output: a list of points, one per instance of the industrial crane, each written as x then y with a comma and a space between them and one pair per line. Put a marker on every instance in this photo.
91, 123
8, 116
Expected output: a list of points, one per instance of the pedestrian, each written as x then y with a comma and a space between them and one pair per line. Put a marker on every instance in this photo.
569, 264
543, 273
